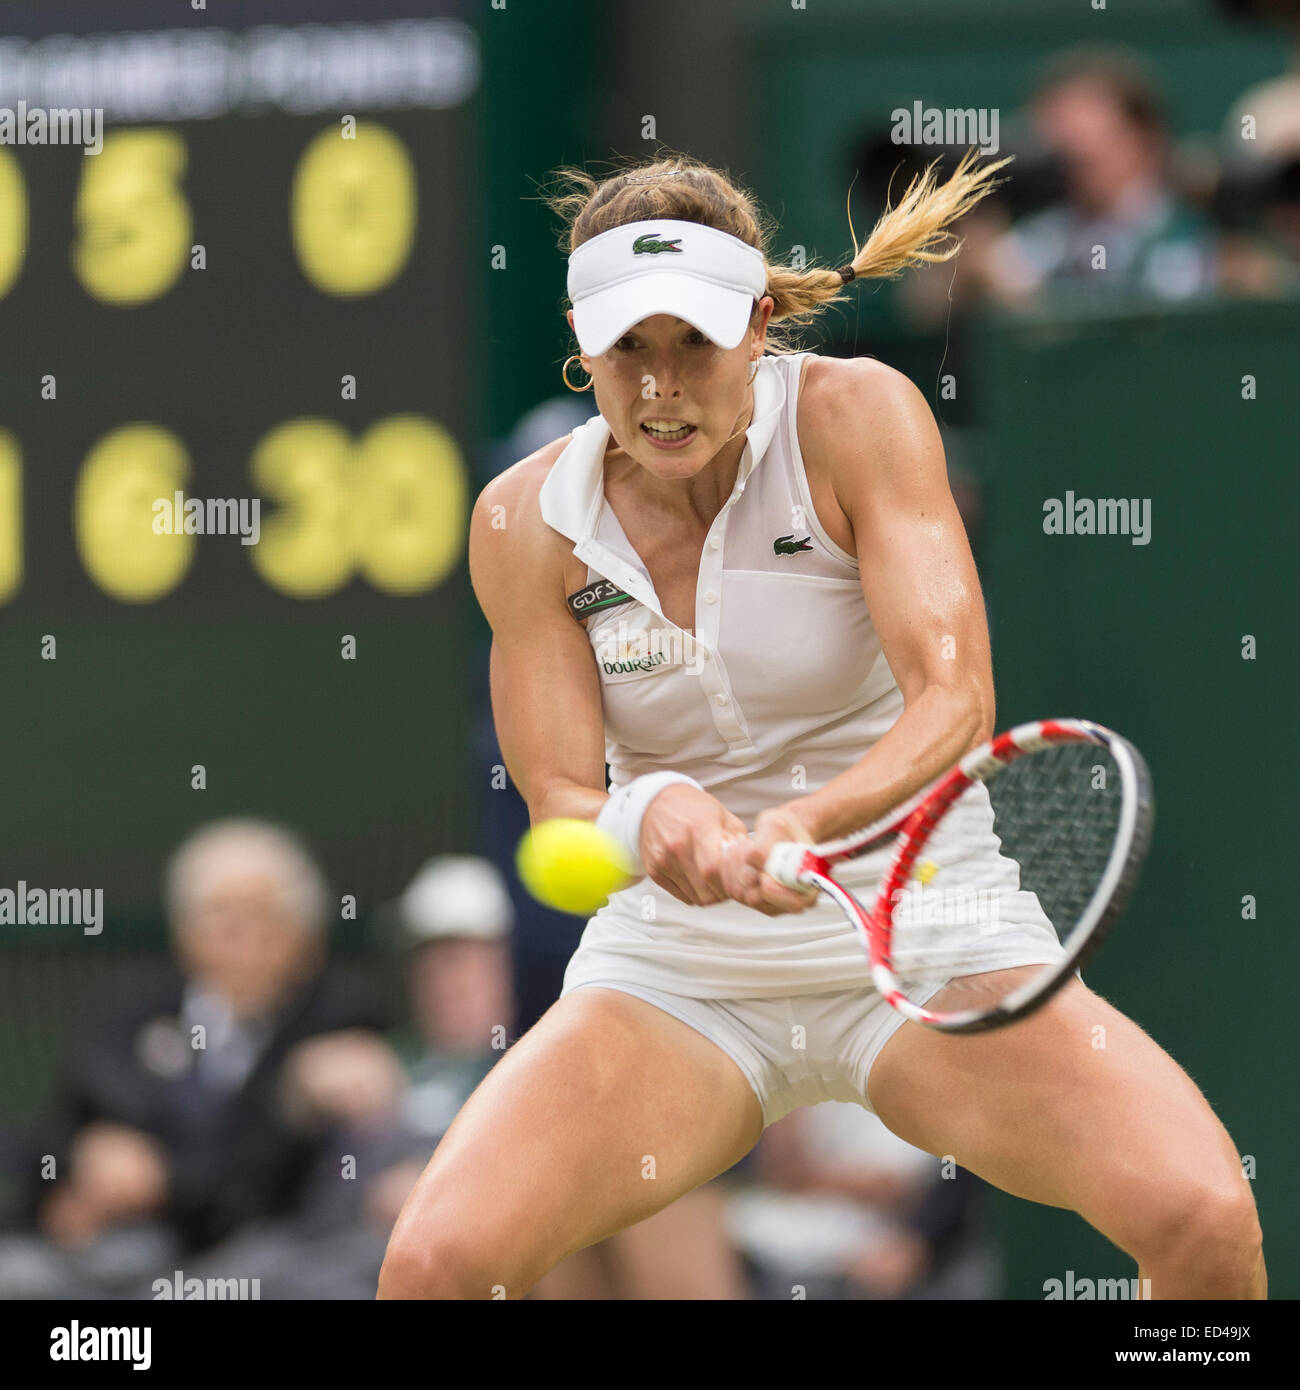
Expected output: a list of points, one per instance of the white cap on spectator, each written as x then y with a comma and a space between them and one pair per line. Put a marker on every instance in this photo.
1274, 105
457, 895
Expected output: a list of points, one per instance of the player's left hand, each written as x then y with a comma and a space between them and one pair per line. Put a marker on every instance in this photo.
744, 859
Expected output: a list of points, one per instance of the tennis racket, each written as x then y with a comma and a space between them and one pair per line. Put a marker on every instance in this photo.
1047, 823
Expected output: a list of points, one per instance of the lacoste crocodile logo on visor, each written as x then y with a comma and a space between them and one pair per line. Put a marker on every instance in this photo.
652, 245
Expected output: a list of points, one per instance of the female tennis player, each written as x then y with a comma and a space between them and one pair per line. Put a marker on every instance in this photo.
745, 586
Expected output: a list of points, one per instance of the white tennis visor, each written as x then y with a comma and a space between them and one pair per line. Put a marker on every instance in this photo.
707, 277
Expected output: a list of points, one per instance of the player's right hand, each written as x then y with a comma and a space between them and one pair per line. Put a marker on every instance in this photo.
744, 874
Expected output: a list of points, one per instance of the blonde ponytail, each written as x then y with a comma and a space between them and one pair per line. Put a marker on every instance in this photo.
910, 234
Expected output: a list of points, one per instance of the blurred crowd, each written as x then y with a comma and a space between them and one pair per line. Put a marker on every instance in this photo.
247, 1111
1103, 204
1106, 207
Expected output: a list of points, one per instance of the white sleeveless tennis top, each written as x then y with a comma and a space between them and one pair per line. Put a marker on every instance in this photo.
782, 686
783, 683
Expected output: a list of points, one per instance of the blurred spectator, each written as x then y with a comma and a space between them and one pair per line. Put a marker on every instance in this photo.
545, 422
846, 1210
378, 1109
682, 1252
1099, 118
455, 918
193, 1107
1101, 114
1259, 190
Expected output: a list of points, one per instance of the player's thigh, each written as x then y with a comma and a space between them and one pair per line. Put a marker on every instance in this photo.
1074, 1106
603, 1113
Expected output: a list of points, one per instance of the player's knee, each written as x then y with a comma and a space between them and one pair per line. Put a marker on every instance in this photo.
433, 1266
1224, 1241
1207, 1228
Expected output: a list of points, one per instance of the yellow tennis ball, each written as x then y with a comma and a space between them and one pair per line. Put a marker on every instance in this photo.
572, 865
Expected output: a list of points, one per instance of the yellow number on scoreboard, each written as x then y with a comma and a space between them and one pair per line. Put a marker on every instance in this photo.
410, 513
391, 506
353, 210
133, 222
124, 475
13, 221
11, 517
304, 465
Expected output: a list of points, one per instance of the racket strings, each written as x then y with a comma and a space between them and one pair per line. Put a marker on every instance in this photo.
1053, 817
1057, 815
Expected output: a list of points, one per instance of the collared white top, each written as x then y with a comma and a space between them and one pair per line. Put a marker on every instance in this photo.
782, 684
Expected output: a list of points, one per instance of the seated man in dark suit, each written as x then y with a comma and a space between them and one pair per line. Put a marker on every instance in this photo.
194, 1105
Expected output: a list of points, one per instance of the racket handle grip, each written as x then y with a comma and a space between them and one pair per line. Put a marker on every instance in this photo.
787, 861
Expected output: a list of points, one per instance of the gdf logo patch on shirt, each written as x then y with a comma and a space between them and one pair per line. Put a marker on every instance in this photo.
594, 597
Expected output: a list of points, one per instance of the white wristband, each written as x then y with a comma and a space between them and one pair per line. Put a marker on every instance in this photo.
623, 813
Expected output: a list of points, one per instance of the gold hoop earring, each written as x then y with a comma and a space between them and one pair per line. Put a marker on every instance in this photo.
754, 373
564, 373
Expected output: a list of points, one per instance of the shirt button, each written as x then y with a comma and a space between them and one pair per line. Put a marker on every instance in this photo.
708, 656
715, 544
710, 596
722, 699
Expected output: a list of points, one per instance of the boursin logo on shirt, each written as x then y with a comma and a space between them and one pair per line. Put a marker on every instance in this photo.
627, 652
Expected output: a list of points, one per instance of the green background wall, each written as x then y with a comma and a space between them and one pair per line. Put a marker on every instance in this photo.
1150, 639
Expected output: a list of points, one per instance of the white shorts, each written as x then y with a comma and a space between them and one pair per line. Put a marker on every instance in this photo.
790, 998
794, 1051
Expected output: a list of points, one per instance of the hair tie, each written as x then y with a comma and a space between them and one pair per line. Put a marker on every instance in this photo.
846, 273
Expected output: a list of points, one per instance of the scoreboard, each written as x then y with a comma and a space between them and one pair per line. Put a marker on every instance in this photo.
259, 293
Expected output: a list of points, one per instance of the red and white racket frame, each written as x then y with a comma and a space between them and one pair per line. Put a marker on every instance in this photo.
913, 823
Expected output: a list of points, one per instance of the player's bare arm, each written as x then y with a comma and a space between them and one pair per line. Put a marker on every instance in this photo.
546, 693
886, 461
545, 690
